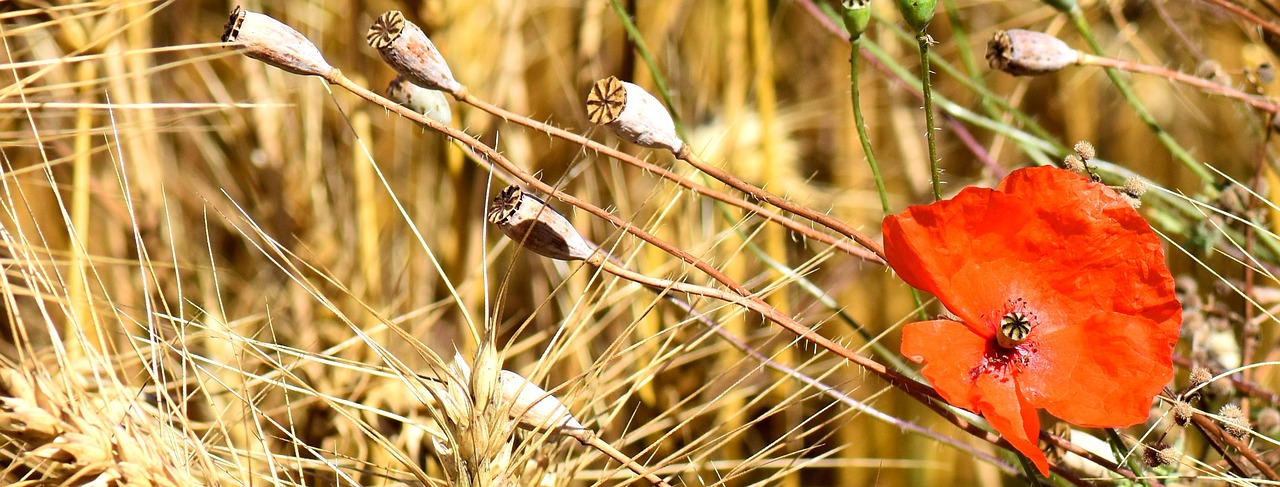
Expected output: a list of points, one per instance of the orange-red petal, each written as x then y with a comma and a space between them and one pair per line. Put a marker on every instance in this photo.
1014, 417
1101, 373
951, 353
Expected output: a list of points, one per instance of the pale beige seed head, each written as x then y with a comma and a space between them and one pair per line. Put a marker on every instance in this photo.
484, 375
1028, 53
434, 104
1182, 412
632, 113
408, 51
268, 40
1169, 456
537, 226
1198, 376
1085, 150
532, 407
1233, 421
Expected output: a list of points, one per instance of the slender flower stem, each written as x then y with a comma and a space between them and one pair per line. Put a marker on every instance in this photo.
935, 173
830, 391
789, 223
587, 437
1082, 26
1247, 15
823, 219
862, 125
1117, 444
742, 298
1208, 86
754, 303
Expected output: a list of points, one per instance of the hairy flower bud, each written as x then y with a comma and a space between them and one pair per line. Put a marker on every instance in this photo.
537, 226
408, 51
632, 113
268, 40
434, 104
1028, 53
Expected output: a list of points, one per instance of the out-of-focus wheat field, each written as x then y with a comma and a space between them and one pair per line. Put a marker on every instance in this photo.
220, 273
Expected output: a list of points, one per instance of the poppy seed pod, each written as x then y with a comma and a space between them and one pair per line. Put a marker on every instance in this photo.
537, 226
857, 14
532, 407
917, 13
434, 104
408, 51
1028, 53
632, 113
268, 40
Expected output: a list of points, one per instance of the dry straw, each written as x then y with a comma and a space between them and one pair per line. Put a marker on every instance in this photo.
86, 438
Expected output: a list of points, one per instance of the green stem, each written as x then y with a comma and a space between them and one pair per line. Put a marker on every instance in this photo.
1126, 91
642, 49
1121, 451
862, 126
935, 173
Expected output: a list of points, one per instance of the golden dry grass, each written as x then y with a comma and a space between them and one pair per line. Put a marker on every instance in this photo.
238, 271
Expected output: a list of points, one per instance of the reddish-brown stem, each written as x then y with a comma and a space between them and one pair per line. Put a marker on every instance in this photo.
1247, 15
589, 439
744, 297
820, 218
1198, 82
769, 215
1241, 385
753, 303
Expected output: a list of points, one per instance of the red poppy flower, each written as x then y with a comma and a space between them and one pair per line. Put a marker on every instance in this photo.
1063, 298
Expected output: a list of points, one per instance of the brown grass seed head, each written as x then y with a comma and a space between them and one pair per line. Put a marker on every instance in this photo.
1028, 53
271, 41
409, 52
537, 226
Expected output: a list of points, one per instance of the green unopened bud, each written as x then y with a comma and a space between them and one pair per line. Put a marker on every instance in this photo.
857, 14
917, 13
1065, 6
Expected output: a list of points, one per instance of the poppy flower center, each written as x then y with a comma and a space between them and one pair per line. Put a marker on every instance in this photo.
1014, 329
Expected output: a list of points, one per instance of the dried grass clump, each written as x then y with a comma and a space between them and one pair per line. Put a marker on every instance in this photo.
82, 437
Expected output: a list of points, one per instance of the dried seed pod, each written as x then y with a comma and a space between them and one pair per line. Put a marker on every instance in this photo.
268, 40
408, 50
537, 226
1028, 53
434, 104
532, 407
632, 113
